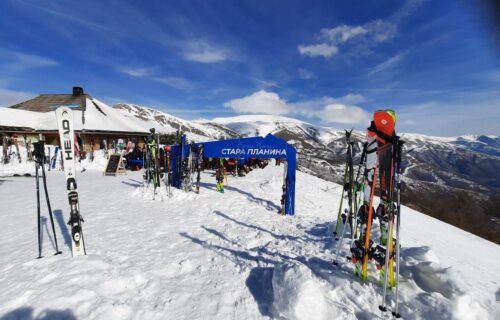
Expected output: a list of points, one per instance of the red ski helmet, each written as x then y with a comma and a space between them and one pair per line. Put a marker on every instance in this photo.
385, 121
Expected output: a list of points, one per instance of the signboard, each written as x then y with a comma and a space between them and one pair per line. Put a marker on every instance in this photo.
254, 147
115, 165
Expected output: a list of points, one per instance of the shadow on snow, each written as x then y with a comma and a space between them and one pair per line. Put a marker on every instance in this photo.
262, 260
26, 313
58, 214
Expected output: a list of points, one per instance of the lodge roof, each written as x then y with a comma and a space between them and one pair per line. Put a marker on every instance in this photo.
49, 102
90, 115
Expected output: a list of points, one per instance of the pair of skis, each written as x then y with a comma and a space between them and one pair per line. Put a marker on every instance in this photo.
284, 189
394, 214
64, 117
348, 184
219, 175
53, 160
351, 187
187, 169
199, 163
151, 162
7, 151
168, 170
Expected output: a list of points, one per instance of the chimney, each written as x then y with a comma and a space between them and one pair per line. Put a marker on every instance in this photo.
77, 91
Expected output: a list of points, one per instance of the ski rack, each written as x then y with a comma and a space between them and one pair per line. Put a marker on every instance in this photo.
266, 147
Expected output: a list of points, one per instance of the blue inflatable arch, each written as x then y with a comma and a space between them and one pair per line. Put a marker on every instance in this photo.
255, 147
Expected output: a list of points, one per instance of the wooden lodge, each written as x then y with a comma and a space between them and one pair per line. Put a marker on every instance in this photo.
94, 121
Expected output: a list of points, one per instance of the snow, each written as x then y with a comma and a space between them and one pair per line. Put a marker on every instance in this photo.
107, 120
166, 123
24, 118
14, 168
265, 124
223, 256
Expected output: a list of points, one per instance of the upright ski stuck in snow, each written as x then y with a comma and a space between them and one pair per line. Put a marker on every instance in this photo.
67, 137
199, 163
284, 188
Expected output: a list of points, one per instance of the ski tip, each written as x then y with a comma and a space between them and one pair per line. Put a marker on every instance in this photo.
396, 314
382, 308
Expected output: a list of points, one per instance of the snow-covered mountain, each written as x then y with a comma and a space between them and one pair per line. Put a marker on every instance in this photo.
470, 163
447, 177
166, 123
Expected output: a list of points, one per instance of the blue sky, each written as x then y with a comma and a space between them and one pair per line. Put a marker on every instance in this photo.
330, 63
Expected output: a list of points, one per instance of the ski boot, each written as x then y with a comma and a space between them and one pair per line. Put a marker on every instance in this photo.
383, 217
363, 219
378, 254
220, 187
357, 254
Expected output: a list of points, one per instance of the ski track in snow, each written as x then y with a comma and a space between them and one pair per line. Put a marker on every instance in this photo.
224, 256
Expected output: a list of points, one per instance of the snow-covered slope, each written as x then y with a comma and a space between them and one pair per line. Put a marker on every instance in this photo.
224, 256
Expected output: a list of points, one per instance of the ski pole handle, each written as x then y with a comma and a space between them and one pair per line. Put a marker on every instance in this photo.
363, 153
399, 151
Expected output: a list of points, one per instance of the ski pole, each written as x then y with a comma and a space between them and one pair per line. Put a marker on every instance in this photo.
38, 211
398, 222
355, 187
390, 243
339, 245
50, 209
337, 226
364, 271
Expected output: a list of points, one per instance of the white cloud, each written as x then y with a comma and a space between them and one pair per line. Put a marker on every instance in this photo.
358, 39
13, 61
329, 110
306, 74
351, 98
152, 74
388, 64
174, 82
259, 102
137, 72
335, 110
317, 50
10, 97
343, 113
343, 33
381, 31
203, 52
